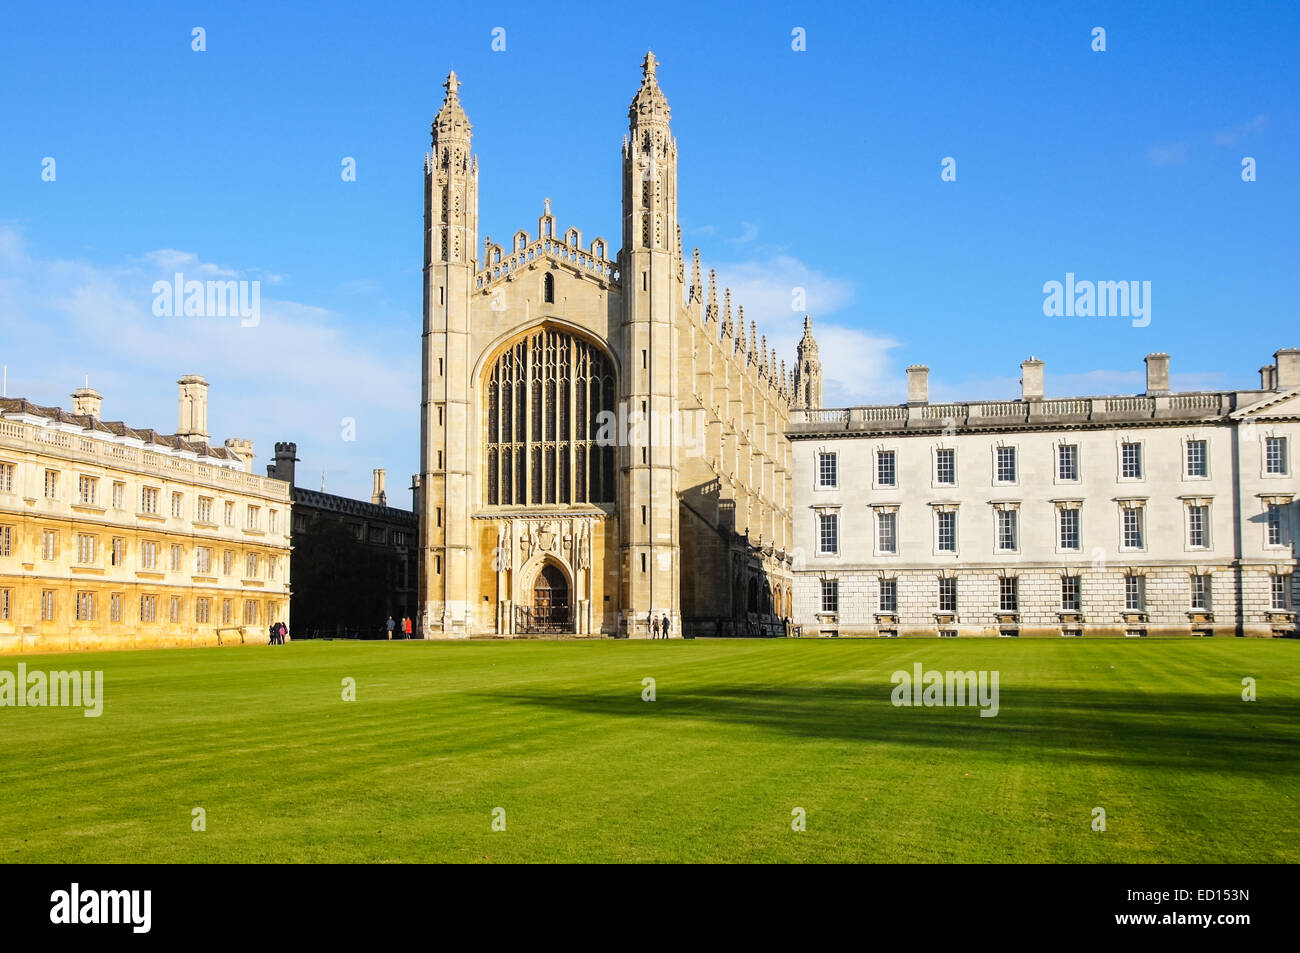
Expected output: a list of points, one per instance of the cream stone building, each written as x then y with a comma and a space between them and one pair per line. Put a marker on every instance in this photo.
119, 537
602, 443
1154, 514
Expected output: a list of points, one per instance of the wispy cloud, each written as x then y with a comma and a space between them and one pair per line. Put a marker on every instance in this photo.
1230, 137
1174, 153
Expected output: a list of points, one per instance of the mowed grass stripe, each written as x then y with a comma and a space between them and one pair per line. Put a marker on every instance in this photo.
740, 734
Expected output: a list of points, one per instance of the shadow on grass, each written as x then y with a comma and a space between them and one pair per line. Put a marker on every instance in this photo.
1136, 729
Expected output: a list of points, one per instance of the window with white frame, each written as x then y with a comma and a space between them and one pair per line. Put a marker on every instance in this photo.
948, 594
1198, 462
148, 554
119, 495
1131, 525
178, 504
828, 533
203, 609
1275, 525
227, 562
1198, 525
1201, 592
250, 611
1135, 593
250, 566
1004, 470
178, 558
148, 608
886, 469
203, 560
830, 595
47, 605
1067, 462
828, 475
117, 551
115, 607
1067, 528
6, 477
254, 517
87, 489
1008, 534
227, 611
945, 466
1009, 594
886, 531
174, 609
1130, 461
49, 544
6, 604
149, 499
6, 540
51, 484
1279, 591
85, 549
1071, 596
1275, 457
203, 510
230, 513
888, 595
274, 517
85, 607
946, 531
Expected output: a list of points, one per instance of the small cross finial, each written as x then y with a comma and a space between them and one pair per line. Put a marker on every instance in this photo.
649, 65
452, 85
547, 204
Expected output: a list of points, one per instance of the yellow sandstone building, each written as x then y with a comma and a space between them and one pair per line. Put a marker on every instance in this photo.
117, 537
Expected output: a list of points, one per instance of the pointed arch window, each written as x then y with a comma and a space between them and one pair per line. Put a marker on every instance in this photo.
545, 445
548, 288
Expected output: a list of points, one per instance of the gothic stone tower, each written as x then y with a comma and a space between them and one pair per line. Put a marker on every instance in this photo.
560, 491
807, 371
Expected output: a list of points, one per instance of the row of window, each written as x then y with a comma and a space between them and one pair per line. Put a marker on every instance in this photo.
1071, 594
150, 551
88, 493
1069, 531
1006, 464
88, 606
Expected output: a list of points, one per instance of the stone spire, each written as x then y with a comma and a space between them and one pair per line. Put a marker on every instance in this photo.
808, 371
753, 341
697, 288
451, 125
726, 313
711, 309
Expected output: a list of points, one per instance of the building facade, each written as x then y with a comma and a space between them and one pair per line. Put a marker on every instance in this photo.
354, 561
601, 444
118, 537
1157, 514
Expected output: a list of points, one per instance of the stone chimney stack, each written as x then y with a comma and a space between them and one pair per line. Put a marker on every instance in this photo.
1287, 363
918, 384
1267, 376
378, 495
1031, 379
243, 449
87, 400
193, 406
286, 455
1157, 374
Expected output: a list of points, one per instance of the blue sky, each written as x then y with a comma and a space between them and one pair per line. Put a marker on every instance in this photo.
818, 169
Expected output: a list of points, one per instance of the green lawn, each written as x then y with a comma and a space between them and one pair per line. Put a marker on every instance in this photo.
741, 733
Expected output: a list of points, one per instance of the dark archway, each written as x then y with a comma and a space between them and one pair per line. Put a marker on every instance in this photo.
550, 604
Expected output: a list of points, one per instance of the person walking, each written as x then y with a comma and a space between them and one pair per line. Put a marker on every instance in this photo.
271, 634
406, 626
654, 626
390, 624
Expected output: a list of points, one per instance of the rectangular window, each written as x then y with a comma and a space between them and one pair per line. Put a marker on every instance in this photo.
227, 562
1198, 464
947, 531
1070, 595
115, 607
178, 558
1135, 593
827, 470
1067, 462
203, 512
945, 467
948, 595
1005, 471
1276, 530
250, 611
888, 595
87, 488
1009, 594
1198, 526
250, 566
119, 495
51, 484
6, 477
117, 555
830, 595
85, 607
254, 517
85, 549
227, 611
230, 513
272, 566
1201, 592
203, 560
1008, 534
202, 609
148, 555
886, 473
275, 521
148, 608
6, 603
1275, 455
49, 544
149, 499
6, 541
828, 533
1131, 461
47, 605
174, 609
1279, 584
1068, 528
1132, 527
178, 504
887, 532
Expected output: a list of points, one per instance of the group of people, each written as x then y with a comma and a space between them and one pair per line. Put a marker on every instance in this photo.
403, 628
660, 626
278, 631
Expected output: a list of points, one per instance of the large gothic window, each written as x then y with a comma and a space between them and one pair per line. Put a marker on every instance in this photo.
544, 395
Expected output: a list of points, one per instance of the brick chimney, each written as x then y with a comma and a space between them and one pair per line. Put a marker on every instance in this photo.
1031, 379
1157, 374
918, 384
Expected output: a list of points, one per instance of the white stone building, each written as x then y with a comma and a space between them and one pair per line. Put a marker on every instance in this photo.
1156, 514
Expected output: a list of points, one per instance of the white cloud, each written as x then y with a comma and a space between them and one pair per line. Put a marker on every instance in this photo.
1175, 153
1229, 137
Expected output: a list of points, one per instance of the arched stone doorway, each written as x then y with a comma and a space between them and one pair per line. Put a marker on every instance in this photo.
551, 608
